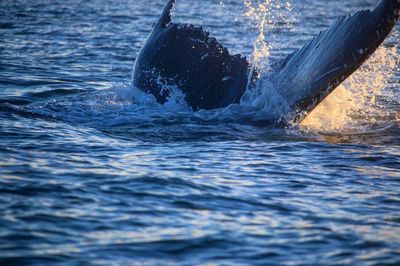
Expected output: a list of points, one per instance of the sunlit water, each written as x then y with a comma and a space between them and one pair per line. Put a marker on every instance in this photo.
94, 171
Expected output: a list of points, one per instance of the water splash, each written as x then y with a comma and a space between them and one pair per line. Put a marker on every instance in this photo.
119, 105
361, 101
265, 16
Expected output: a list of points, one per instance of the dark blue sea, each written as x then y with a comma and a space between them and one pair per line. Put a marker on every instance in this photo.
95, 172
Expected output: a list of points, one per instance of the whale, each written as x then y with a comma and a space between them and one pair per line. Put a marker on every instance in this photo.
187, 58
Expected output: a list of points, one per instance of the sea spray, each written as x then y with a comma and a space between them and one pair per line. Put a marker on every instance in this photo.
265, 16
357, 102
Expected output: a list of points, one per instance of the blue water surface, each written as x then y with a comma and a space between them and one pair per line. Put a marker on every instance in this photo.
92, 171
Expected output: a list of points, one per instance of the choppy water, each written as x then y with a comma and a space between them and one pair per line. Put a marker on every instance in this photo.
93, 171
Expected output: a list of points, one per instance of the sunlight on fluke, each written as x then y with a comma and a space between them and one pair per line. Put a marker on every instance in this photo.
356, 101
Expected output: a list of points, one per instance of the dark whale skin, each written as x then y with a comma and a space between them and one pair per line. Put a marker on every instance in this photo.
188, 58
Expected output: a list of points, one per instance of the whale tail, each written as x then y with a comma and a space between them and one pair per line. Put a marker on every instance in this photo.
210, 77
165, 18
189, 58
310, 74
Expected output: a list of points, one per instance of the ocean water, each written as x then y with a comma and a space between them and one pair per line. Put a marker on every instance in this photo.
92, 171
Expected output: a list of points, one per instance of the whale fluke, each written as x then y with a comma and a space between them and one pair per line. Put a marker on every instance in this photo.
188, 58
307, 76
165, 18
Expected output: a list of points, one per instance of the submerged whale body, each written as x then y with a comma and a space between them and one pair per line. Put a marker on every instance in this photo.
187, 58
